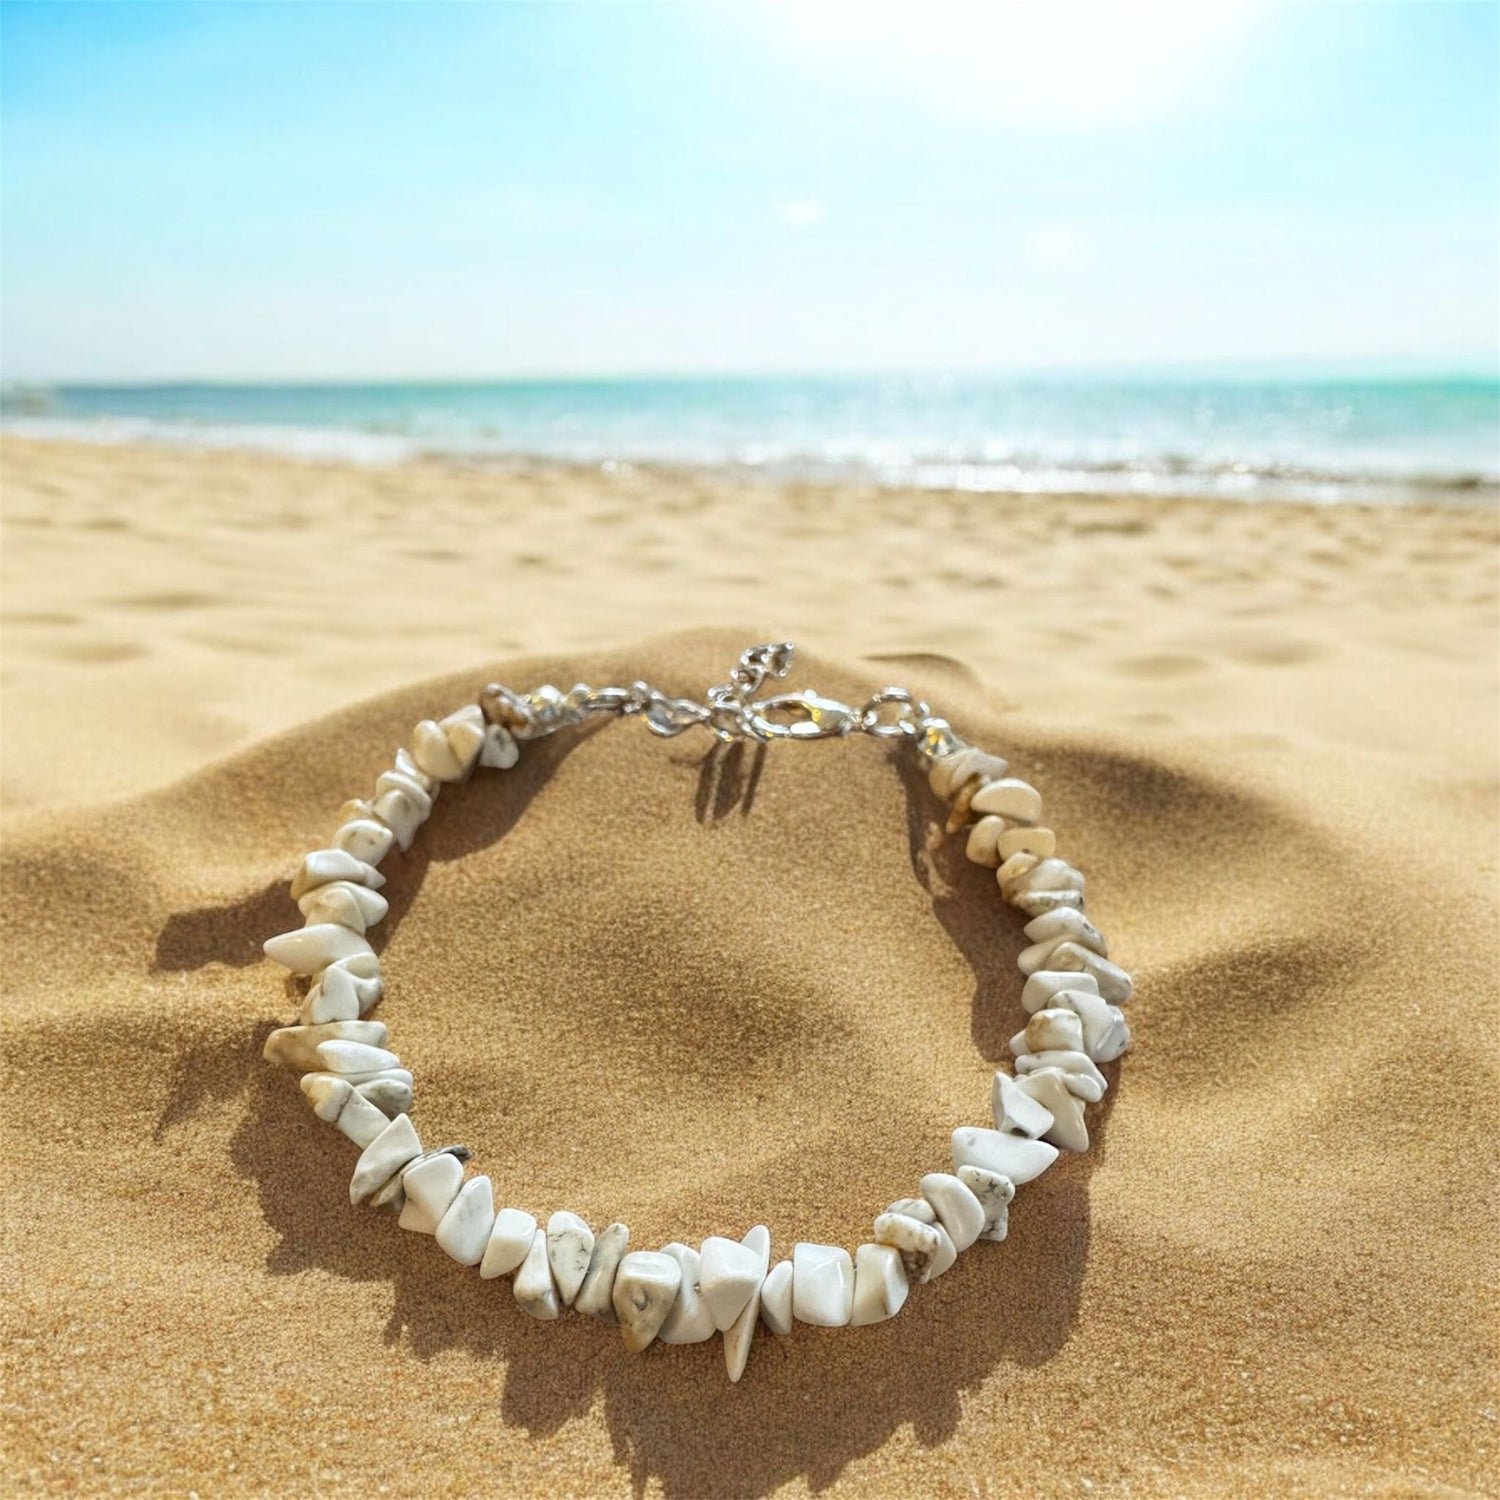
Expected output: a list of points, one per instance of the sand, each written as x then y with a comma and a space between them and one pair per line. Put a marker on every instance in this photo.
698, 988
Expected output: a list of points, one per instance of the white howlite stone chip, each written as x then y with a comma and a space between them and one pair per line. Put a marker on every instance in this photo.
338, 1004
741, 1333
467, 743
510, 1239
758, 1240
1056, 1029
1014, 1156
337, 903
1050, 874
499, 751
355, 1059
297, 1046
344, 990
1035, 903
535, 1291
402, 781
917, 1243
396, 1186
1048, 1086
739, 1336
433, 754
465, 730
1016, 868
570, 1244
982, 847
1038, 841
1106, 1033
1034, 957
1015, 1110
957, 1208
1114, 983
369, 1084
390, 1092
1009, 798
1081, 1072
822, 1285
384, 1157
391, 1196
958, 812
645, 1287
1039, 955
334, 1099
402, 813
880, 1285
343, 901
406, 766
946, 1257
595, 1296
399, 1075
431, 1185
328, 1094
470, 714
323, 866
308, 949
776, 1298
364, 968
952, 771
689, 1321
464, 1231
1046, 983
914, 1208
994, 1193
366, 839
354, 808
1067, 923
730, 1272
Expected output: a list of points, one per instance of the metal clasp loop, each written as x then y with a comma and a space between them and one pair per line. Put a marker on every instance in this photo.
911, 715
800, 715
730, 709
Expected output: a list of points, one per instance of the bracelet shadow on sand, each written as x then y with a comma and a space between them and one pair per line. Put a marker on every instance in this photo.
815, 1401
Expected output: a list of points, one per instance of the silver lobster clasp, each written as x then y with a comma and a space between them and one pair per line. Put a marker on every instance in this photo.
800, 715
730, 709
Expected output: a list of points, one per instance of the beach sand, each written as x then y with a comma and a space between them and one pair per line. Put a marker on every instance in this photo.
698, 988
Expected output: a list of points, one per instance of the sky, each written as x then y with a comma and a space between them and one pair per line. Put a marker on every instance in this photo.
390, 190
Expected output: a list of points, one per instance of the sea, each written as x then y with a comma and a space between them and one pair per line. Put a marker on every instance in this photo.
1427, 439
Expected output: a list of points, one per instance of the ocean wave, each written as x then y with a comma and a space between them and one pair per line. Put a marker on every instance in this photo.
991, 467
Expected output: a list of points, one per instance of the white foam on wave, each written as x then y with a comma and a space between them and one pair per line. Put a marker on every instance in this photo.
995, 467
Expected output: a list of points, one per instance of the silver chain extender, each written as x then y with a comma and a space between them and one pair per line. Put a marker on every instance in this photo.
730, 709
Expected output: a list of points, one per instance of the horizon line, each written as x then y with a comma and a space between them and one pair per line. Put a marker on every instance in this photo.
1312, 367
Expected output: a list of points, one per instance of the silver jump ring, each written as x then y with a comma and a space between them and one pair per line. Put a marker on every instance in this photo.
909, 720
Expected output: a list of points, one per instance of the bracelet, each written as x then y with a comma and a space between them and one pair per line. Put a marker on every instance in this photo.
678, 1294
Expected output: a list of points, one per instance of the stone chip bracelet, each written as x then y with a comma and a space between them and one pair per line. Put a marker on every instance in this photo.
679, 1294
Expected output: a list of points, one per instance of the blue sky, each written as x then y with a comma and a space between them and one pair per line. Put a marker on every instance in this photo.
304, 190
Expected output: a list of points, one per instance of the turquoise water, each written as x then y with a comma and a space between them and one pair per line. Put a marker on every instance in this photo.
1387, 440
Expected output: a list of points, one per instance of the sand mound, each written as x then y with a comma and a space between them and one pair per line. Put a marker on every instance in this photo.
696, 988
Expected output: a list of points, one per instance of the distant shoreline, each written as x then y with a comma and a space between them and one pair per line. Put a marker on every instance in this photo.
1390, 441
1450, 495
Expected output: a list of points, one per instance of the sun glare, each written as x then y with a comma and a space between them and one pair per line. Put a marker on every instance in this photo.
1075, 64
